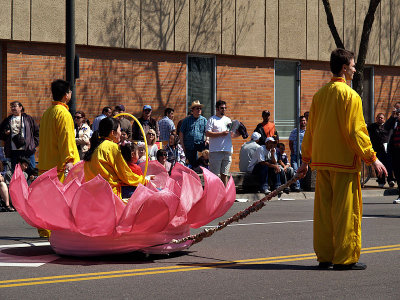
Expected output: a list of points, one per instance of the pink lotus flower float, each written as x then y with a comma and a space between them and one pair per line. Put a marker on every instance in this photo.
87, 218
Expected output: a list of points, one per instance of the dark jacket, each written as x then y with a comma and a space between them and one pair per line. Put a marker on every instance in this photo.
378, 136
31, 134
389, 126
137, 133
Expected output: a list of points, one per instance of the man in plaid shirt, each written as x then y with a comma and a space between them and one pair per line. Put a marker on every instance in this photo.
166, 125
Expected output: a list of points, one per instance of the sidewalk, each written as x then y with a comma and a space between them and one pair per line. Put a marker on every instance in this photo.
371, 189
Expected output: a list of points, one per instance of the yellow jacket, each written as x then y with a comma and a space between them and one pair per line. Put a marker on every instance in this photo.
107, 161
57, 145
336, 137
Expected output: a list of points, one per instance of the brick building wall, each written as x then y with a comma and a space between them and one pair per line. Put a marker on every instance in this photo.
134, 78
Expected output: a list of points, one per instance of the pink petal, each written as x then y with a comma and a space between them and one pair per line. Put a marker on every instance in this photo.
76, 173
179, 169
93, 208
48, 204
157, 169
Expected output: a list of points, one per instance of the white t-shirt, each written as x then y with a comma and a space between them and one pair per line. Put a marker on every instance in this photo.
261, 154
15, 124
220, 143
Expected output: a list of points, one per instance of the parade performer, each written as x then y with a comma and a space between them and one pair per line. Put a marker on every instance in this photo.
56, 134
335, 141
104, 158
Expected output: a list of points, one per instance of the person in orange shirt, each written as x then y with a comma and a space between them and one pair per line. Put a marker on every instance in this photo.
335, 142
266, 128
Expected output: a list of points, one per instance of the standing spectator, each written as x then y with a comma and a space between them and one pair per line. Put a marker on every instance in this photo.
379, 139
147, 122
334, 143
393, 126
175, 151
266, 128
151, 144
19, 124
106, 112
166, 125
264, 165
125, 123
220, 137
306, 114
293, 149
192, 133
82, 133
162, 159
178, 126
247, 151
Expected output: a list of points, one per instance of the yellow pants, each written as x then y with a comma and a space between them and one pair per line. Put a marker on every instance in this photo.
337, 217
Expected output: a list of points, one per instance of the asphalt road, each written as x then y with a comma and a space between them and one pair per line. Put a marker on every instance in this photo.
268, 255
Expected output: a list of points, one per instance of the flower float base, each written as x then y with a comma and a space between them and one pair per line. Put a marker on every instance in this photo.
88, 219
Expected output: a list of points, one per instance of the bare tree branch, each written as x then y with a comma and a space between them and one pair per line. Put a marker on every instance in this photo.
331, 24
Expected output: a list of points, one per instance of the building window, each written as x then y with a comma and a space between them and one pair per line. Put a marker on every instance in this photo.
285, 97
201, 83
368, 95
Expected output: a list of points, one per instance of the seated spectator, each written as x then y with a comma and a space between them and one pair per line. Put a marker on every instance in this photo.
202, 161
130, 152
124, 138
166, 125
264, 166
247, 151
175, 151
4, 191
141, 152
151, 138
82, 133
162, 159
283, 161
147, 123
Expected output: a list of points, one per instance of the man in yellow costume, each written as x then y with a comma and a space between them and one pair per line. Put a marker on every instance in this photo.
335, 142
57, 146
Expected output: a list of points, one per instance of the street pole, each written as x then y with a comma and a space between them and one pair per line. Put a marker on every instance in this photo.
70, 51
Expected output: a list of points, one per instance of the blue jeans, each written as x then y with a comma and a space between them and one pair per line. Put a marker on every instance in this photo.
262, 172
295, 166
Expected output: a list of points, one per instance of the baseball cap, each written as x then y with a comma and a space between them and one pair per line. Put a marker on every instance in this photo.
146, 107
120, 107
255, 136
270, 139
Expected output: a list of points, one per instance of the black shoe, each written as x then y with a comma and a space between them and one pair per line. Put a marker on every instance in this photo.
297, 190
325, 265
286, 190
355, 266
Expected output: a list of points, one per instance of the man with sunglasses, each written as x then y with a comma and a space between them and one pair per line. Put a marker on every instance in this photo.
218, 131
147, 122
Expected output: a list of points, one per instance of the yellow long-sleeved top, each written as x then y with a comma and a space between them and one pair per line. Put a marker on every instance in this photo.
107, 161
336, 137
57, 145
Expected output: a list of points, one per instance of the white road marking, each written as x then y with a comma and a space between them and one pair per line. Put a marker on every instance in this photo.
9, 260
268, 223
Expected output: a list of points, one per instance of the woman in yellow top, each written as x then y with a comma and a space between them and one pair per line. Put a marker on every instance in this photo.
104, 158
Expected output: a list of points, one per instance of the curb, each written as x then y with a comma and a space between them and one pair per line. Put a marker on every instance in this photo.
252, 197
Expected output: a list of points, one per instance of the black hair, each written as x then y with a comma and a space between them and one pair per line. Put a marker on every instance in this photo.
19, 104
127, 149
106, 109
176, 139
340, 57
59, 88
168, 110
81, 113
220, 103
160, 153
106, 125
265, 113
281, 144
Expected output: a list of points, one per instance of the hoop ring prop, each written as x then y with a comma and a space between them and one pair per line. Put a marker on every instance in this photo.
144, 137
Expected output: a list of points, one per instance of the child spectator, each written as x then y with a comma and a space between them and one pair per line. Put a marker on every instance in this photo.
4, 191
202, 161
175, 151
162, 159
141, 152
130, 152
283, 162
